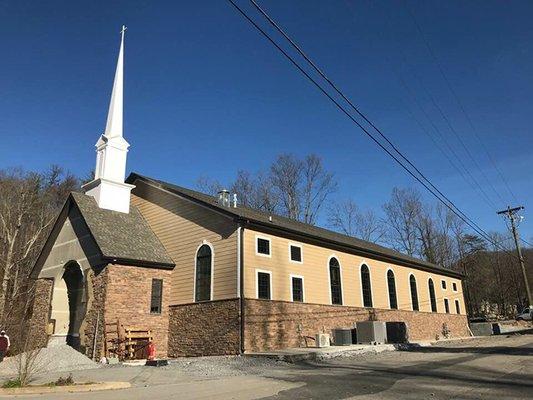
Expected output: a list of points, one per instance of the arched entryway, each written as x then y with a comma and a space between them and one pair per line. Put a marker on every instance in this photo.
69, 304
75, 282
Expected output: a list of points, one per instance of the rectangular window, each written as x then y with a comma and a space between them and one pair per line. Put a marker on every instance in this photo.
446, 306
443, 284
263, 246
297, 285
296, 253
454, 286
457, 307
263, 286
157, 296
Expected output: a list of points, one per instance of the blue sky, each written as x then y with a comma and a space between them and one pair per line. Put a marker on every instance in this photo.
206, 95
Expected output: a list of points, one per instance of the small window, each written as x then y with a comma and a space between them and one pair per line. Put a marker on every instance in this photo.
157, 296
391, 282
447, 306
296, 253
263, 246
443, 284
366, 286
432, 298
414, 293
297, 284
263, 286
335, 281
457, 307
454, 286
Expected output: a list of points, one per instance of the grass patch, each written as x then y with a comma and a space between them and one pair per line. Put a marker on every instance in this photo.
12, 383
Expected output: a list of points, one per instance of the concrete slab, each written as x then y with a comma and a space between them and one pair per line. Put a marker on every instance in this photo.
323, 353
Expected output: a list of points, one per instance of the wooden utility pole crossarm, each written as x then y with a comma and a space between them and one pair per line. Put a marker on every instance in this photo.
511, 213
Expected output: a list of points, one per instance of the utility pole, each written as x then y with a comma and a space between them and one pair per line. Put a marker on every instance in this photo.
512, 214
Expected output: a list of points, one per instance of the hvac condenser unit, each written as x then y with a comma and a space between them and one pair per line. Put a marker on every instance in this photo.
342, 337
371, 332
322, 340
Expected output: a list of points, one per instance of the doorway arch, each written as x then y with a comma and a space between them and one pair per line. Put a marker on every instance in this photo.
74, 280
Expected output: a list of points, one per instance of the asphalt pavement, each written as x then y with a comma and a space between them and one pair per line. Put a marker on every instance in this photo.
490, 368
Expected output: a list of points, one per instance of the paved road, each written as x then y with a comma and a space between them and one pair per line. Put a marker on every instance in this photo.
489, 368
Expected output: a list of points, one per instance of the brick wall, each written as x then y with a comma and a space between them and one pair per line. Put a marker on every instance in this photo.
205, 329
271, 325
128, 295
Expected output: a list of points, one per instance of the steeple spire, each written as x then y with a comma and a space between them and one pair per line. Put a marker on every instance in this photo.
108, 187
114, 125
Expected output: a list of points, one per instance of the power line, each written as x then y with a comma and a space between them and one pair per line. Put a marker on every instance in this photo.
339, 92
461, 107
435, 128
444, 200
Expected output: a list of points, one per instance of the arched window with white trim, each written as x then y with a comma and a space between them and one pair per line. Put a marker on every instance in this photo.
414, 293
204, 264
335, 281
366, 286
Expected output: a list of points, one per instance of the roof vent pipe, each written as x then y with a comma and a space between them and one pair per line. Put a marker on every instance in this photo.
223, 198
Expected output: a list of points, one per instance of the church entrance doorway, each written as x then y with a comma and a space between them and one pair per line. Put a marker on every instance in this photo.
77, 301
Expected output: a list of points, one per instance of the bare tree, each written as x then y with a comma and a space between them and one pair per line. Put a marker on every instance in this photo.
318, 184
29, 203
286, 174
256, 191
346, 218
208, 185
292, 187
402, 212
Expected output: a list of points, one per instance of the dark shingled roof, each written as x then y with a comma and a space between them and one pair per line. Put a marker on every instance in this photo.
122, 237
291, 226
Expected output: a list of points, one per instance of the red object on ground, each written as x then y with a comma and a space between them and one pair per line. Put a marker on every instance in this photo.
151, 351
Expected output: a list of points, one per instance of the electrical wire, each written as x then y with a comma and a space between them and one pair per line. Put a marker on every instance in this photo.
462, 108
435, 192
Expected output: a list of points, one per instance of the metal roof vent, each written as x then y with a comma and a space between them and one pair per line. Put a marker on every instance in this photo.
224, 198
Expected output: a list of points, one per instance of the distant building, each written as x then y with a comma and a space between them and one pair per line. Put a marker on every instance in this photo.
208, 276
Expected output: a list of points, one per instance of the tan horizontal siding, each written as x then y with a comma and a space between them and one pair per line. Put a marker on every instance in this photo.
182, 227
315, 271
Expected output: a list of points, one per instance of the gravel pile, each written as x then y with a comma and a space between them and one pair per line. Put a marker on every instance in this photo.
224, 365
56, 358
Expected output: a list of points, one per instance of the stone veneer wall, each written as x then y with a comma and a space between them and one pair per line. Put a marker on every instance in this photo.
94, 321
38, 323
272, 325
128, 296
205, 329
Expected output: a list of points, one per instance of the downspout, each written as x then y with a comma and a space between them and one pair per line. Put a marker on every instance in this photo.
240, 283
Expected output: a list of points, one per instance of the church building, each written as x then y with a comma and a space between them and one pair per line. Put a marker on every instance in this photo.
208, 276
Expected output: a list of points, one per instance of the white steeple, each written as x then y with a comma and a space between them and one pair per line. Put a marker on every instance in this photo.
108, 187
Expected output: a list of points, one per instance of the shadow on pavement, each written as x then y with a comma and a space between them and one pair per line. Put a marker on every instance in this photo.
340, 381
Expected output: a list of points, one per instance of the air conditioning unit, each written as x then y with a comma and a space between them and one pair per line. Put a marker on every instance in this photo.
371, 332
342, 337
322, 340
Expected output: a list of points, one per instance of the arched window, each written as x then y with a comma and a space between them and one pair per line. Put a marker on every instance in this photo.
414, 293
391, 283
335, 281
366, 286
432, 298
204, 258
